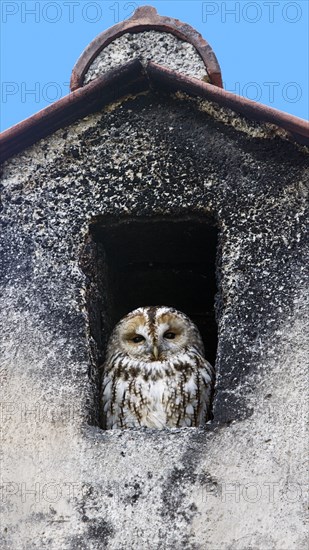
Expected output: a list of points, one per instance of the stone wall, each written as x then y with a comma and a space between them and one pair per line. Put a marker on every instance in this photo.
161, 47
240, 482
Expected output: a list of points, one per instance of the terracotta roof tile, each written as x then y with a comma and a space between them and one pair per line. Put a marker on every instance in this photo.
146, 18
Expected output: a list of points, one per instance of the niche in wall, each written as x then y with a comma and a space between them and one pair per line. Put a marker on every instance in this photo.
141, 262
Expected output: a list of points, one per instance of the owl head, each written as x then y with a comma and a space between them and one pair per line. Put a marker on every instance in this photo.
155, 333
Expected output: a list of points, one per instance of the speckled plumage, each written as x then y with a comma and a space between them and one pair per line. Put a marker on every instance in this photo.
155, 372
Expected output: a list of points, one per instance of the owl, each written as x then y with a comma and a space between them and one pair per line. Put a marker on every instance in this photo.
155, 372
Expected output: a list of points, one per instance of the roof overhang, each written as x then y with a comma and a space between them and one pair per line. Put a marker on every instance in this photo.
131, 79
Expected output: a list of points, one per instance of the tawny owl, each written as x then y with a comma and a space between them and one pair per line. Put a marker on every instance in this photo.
155, 372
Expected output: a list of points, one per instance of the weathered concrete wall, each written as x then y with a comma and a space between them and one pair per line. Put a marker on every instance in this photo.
161, 47
240, 482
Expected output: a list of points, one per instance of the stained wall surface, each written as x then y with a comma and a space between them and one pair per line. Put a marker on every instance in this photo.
239, 483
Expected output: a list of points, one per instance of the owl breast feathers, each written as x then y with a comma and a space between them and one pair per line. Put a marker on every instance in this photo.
155, 373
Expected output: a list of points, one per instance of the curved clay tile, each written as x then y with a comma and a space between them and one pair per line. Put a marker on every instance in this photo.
146, 18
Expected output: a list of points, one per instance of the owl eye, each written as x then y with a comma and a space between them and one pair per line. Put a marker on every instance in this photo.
169, 335
137, 339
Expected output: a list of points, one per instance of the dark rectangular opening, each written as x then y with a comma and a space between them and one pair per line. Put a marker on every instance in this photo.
139, 262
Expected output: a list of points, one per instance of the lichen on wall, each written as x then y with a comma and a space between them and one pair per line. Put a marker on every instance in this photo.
161, 47
240, 482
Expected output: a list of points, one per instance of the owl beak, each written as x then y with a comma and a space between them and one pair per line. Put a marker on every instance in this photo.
155, 352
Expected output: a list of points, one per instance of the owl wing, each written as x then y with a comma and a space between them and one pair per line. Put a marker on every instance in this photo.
113, 393
206, 375
189, 403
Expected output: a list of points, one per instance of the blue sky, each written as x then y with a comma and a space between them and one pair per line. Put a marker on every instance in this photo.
262, 47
